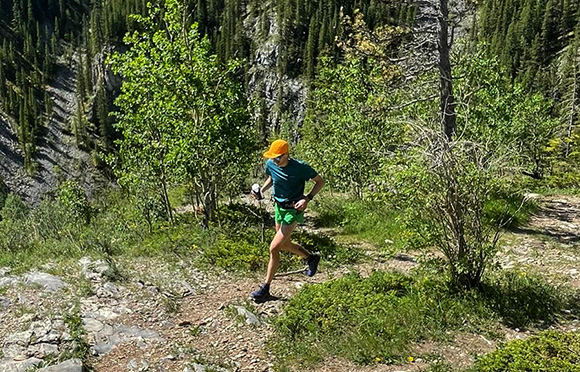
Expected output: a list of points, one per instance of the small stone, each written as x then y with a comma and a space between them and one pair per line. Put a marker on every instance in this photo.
132, 365
144, 366
5, 303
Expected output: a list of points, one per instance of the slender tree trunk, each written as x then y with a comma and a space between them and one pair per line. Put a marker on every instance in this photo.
572, 111
446, 99
165, 196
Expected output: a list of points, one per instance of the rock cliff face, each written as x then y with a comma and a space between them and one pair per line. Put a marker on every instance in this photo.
281, 109
57, 156
283, 98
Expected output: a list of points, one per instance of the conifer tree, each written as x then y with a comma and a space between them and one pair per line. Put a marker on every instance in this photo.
548, 34
310, 55
569, 86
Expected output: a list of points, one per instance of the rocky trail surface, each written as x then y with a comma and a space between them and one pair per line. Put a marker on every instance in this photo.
174, 317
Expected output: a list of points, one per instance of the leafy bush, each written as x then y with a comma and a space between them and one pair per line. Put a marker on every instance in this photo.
547, 351
380, 317
346, 124
446, 187
74, 200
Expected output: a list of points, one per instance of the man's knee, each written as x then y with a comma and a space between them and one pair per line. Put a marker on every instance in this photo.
275, 248
278, 245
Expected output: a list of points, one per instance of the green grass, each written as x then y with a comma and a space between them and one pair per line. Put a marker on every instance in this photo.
547, 351
237, 241
383, 225
379, 318
372, 221
509, 211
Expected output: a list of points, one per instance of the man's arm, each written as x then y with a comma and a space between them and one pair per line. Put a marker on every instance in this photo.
318, 184
266, 185
259, 193
303, 203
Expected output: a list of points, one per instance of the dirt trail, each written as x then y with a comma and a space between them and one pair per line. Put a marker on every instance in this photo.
549, 244
207, 329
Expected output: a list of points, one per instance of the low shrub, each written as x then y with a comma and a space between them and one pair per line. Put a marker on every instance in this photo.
245, 251
233, 253
330, 251
509, 211
521, 299
551, 351
243, 216
380, 317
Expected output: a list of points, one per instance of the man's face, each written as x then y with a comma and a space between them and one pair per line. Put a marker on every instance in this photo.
281, 160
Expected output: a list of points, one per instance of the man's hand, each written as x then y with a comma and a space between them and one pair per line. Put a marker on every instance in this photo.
301, 204
257, 192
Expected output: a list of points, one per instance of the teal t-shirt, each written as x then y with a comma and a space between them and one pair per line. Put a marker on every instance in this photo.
289, 181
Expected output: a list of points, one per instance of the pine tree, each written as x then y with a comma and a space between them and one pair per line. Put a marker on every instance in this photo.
510, 56
201, 16
569, 104
549, 29
103, 117
310, 55
3, 92
567, 16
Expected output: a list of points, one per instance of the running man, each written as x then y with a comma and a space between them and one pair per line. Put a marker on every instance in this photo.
288, 176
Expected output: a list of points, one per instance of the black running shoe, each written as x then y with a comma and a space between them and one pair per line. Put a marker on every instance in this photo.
312, 262
262, 292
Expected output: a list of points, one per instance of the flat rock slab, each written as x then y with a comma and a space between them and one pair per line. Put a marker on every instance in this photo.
204, 368
110, 336
251, 318
47, 281
19, 366
71, 365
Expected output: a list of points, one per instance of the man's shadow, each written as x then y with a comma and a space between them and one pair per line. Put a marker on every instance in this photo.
269, 298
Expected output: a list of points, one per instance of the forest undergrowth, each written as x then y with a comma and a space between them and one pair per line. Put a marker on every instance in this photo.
382, 316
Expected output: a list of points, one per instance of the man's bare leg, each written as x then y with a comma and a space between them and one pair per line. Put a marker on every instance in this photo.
281, 241
293, 247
